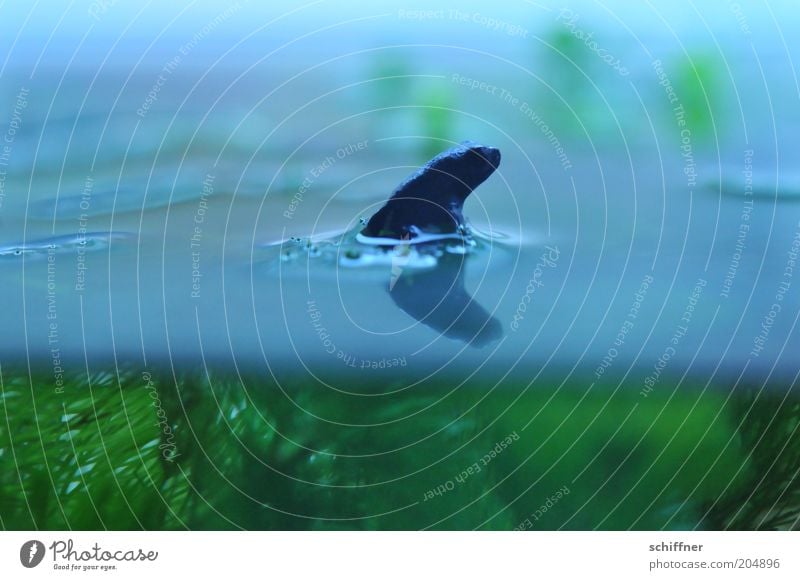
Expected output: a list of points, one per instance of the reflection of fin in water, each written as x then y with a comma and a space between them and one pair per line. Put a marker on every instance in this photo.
428, 205
438, 299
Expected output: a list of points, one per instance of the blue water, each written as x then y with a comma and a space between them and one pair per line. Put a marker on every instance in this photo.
171, 189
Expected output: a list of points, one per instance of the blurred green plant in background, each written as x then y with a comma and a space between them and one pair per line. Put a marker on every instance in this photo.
436, 118
411, 105
582, 95
698, 85
570, 91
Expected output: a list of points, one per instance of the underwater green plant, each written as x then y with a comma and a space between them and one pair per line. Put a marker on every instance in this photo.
163, 452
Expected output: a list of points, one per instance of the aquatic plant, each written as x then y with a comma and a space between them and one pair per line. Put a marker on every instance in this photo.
255, 455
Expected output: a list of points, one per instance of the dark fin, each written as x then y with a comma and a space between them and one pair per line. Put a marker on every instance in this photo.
431, 200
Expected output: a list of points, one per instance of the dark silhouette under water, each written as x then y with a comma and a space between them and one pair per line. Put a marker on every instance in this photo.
438, 299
